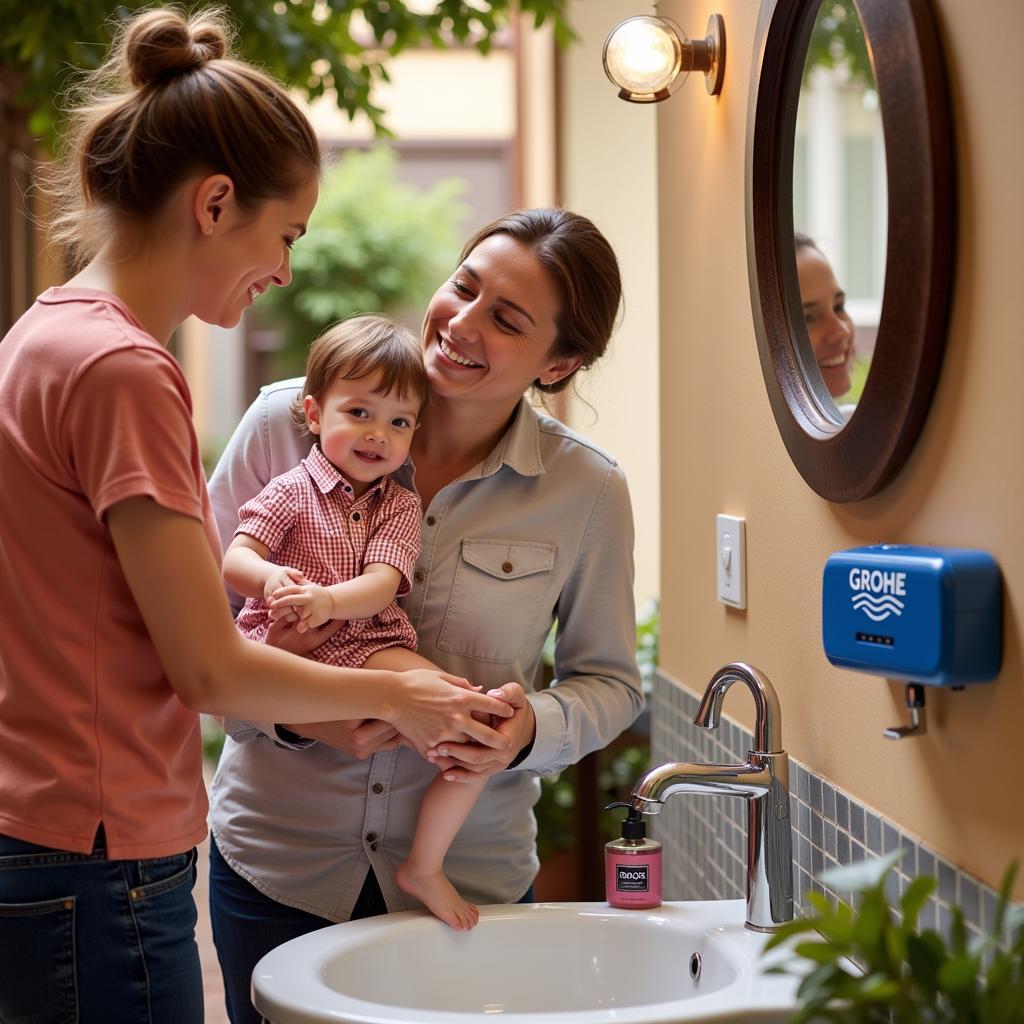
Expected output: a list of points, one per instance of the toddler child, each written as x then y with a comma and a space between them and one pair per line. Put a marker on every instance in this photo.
337, 538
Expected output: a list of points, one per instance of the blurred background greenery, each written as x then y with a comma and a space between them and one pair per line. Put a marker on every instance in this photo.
618, 766
337, 47
375, 245
837, 41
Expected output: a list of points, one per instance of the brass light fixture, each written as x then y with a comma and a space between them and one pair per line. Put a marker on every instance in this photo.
649, 57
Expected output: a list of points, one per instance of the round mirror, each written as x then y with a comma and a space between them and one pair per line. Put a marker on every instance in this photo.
850, 231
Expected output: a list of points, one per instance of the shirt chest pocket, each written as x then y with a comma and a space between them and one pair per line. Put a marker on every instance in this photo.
500, 589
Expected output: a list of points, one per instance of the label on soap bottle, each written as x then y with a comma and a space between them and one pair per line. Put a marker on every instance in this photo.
631, 878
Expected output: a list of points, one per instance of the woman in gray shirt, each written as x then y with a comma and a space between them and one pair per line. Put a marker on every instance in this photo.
525, 523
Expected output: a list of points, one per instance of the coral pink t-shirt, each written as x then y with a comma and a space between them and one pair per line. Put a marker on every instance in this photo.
93, 411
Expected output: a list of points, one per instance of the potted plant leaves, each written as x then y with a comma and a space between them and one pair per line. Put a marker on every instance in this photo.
865, 965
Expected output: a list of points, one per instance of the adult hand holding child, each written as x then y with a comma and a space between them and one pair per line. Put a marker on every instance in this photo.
466, 760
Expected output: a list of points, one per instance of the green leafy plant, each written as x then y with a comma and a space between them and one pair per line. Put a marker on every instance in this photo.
212, 738
555, 812
375, 245
648, 634
906, 976
837, 41
619, 765
315, 45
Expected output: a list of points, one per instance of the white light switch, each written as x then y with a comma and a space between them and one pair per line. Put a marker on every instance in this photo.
730, 556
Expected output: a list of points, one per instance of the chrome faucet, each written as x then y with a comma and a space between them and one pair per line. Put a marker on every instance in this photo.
762, 780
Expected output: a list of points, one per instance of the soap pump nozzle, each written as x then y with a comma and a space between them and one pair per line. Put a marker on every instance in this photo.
633, 825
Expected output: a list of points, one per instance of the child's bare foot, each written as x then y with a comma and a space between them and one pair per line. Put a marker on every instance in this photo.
439, 896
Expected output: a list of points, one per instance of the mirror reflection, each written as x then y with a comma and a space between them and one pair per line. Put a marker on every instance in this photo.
839, 206
830, 328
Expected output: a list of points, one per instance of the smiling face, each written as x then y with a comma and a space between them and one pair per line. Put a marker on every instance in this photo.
362, 433
828, 324
491, 328
243, 255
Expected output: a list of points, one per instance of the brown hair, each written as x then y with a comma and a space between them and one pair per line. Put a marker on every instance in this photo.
356, 348
802, 241
584, 269
170, 101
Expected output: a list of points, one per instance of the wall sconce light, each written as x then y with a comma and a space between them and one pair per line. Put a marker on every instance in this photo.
649, 57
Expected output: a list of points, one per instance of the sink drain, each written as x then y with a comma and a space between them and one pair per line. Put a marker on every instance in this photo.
695, 966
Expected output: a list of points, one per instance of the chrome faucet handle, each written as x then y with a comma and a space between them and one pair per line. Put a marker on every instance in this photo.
767, 717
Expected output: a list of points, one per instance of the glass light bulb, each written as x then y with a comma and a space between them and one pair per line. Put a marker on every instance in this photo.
643, 55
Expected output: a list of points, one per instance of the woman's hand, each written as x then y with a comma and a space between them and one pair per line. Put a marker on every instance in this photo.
432, 707
463, 762
359, 737
283, 633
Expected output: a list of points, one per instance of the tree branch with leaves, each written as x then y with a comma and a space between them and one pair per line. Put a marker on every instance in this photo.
315, 46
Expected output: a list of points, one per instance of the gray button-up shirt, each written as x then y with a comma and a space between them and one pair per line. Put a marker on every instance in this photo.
541, 529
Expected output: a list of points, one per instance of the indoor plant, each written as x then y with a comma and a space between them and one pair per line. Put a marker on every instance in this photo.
612, 771
907, 975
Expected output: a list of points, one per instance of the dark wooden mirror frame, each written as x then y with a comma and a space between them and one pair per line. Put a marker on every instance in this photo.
847, 462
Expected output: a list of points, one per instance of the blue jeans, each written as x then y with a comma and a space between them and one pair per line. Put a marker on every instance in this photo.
247, 925
86, 940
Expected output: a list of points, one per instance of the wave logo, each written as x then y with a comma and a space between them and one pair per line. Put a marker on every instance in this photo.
877, 609
877, 594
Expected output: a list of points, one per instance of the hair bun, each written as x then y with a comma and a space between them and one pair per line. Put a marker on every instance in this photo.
162, 43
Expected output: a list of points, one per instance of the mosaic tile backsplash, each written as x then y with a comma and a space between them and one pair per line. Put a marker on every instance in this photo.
705, 836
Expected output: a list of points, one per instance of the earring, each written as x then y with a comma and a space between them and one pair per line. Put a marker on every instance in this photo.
545, 383
209, 230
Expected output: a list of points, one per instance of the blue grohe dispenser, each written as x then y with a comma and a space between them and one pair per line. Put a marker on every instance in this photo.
930, 615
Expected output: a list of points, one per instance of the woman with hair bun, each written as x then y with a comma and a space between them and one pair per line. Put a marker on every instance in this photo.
187, 177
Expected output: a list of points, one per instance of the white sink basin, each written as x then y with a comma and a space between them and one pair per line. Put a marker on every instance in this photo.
528, 963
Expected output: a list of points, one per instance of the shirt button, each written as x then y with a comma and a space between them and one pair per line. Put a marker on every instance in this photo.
356, 517
374, 847
507, 566
377, 788
419, 575
431, 520
371, 837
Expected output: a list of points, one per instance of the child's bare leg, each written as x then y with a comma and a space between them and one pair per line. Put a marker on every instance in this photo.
444, 810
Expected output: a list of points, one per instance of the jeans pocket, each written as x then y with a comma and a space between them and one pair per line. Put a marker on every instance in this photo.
161, 874
165, 917
37, 962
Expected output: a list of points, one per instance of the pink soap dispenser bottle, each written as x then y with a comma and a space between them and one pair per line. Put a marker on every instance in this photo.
632, 865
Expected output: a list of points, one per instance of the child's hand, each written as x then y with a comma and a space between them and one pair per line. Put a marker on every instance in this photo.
311, 604
281, 576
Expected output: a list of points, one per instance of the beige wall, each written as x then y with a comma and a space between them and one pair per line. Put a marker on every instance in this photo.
435, 94
957, 788
607, 154
535, 88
